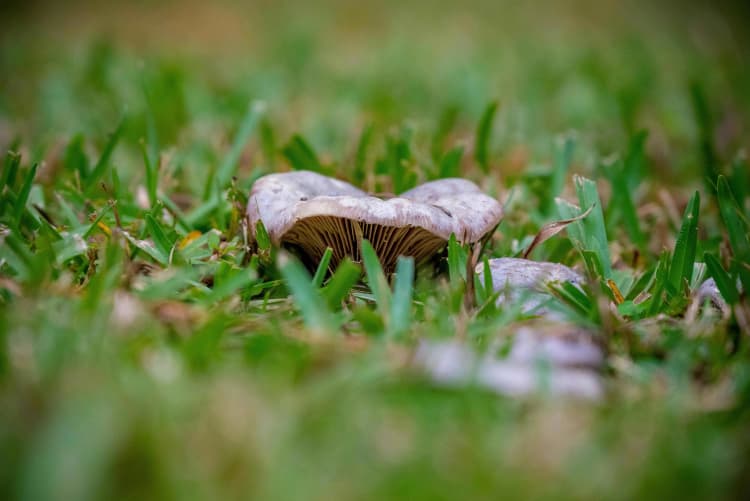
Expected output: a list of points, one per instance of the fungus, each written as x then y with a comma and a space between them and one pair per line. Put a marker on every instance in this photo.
572, 357
310, 212
525, 279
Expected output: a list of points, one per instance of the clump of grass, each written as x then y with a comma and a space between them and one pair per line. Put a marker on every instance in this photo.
148, 341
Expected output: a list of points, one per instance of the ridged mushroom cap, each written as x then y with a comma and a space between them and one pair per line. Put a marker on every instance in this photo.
311, 212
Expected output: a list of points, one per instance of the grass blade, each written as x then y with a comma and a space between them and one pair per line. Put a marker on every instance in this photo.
346, 275
594, 231
564, 150
484, 130
228, 166
311, 305
23, 194
300, 154
403, 288
446, 123
320, 272
734, 221
360, 158
161, 241
724, 282
661, 283
101, 165
268, 143
450, 164
151, 174
10, 170
681, 269
376, 280
457, 257
261, 236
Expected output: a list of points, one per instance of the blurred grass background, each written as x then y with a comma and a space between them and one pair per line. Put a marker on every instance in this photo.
111, 391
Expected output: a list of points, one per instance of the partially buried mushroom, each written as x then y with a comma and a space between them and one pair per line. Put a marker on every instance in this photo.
311, 212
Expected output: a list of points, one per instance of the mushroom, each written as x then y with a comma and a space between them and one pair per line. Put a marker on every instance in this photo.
558, 357
525, 279
310, 212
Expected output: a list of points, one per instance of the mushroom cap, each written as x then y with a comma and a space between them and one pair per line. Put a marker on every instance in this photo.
311, 212
517, 278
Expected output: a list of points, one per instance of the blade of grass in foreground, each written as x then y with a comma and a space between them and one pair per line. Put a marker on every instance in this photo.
457, 257
403, 287
346, 275
311, 305
681, 269
594, 231
376, 279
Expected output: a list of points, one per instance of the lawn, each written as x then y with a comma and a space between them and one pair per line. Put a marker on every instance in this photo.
152, 348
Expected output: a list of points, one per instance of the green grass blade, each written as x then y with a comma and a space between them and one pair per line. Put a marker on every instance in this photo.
704, 119
343, 279
376, 280
446, 123
151, 174
489, 287
563, 157
311, 305
739, 179
681, 269
150, 249
624, 176
572, 296
10, 170
301, 155
661, 283
594, 232
95, 223
23, 194
484, 131
457, 257
450, 164
403, 288
261, 236
229, 164
103, 163
268, 143
731, 214
724, 282
161, 241
641, 284
360, 158
320, 272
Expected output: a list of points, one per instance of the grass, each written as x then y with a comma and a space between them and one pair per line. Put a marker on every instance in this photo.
149, 349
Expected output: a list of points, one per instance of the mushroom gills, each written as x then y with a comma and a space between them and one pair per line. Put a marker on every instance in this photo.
313, 235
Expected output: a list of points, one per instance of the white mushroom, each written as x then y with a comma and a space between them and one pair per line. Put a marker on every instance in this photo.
522, 278
311, 212
555, 358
